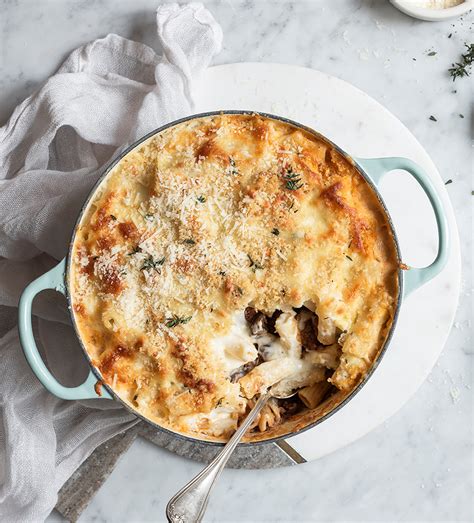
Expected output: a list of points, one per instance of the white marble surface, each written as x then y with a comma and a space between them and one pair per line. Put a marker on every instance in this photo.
418, 465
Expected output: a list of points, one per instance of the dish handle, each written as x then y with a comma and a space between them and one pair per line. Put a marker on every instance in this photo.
53, 279
376, 169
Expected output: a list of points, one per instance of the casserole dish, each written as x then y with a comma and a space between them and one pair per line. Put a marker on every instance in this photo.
367, 173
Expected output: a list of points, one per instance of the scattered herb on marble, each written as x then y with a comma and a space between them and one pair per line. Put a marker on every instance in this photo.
447, 182
463, 68
431, 53
461, 115
468, 56
450, 35
433, 119
177, 320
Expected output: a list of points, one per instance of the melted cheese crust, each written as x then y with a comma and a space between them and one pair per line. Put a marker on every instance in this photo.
204, 219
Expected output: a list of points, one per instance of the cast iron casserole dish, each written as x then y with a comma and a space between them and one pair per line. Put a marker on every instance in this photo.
58, 278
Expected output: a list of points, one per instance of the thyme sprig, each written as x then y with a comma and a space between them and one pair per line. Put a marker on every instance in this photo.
292, 180
462, 68
177, 320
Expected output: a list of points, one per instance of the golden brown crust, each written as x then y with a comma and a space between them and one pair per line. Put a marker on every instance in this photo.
204, 219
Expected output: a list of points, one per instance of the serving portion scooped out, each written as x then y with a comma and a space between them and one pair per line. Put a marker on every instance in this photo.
227, 254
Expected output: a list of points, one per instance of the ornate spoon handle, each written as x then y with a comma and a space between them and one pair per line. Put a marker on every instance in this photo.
189, 504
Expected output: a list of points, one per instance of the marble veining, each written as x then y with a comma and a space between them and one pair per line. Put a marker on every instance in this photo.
418, 465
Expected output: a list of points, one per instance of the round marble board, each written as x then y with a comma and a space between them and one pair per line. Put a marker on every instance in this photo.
363, 128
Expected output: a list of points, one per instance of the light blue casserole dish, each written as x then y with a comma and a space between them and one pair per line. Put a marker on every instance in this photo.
372, 170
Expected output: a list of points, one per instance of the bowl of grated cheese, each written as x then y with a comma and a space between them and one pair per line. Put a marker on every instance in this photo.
433, 10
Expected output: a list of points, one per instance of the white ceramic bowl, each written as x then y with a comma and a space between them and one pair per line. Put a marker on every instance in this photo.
412, 8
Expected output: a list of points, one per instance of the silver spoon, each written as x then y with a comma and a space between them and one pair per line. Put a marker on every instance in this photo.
189, 504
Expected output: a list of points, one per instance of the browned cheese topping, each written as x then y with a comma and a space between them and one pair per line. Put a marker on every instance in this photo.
214, 217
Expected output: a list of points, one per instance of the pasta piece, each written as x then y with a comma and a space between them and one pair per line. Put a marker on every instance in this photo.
312, 395
328, 357
348, 372
326, 330
287, 327
110, 317
260, 378
307, 374
268, 417
239, 354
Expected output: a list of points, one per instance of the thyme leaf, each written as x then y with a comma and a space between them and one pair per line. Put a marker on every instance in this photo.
292, 180
253, 264
189, 241
447, 182
275, 231
232, 169
149, 263
433, 119
201, 199
177, 320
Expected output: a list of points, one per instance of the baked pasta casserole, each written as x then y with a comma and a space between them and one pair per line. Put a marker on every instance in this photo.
225, 255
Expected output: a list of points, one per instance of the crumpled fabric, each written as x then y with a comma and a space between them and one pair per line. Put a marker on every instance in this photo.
107, 94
